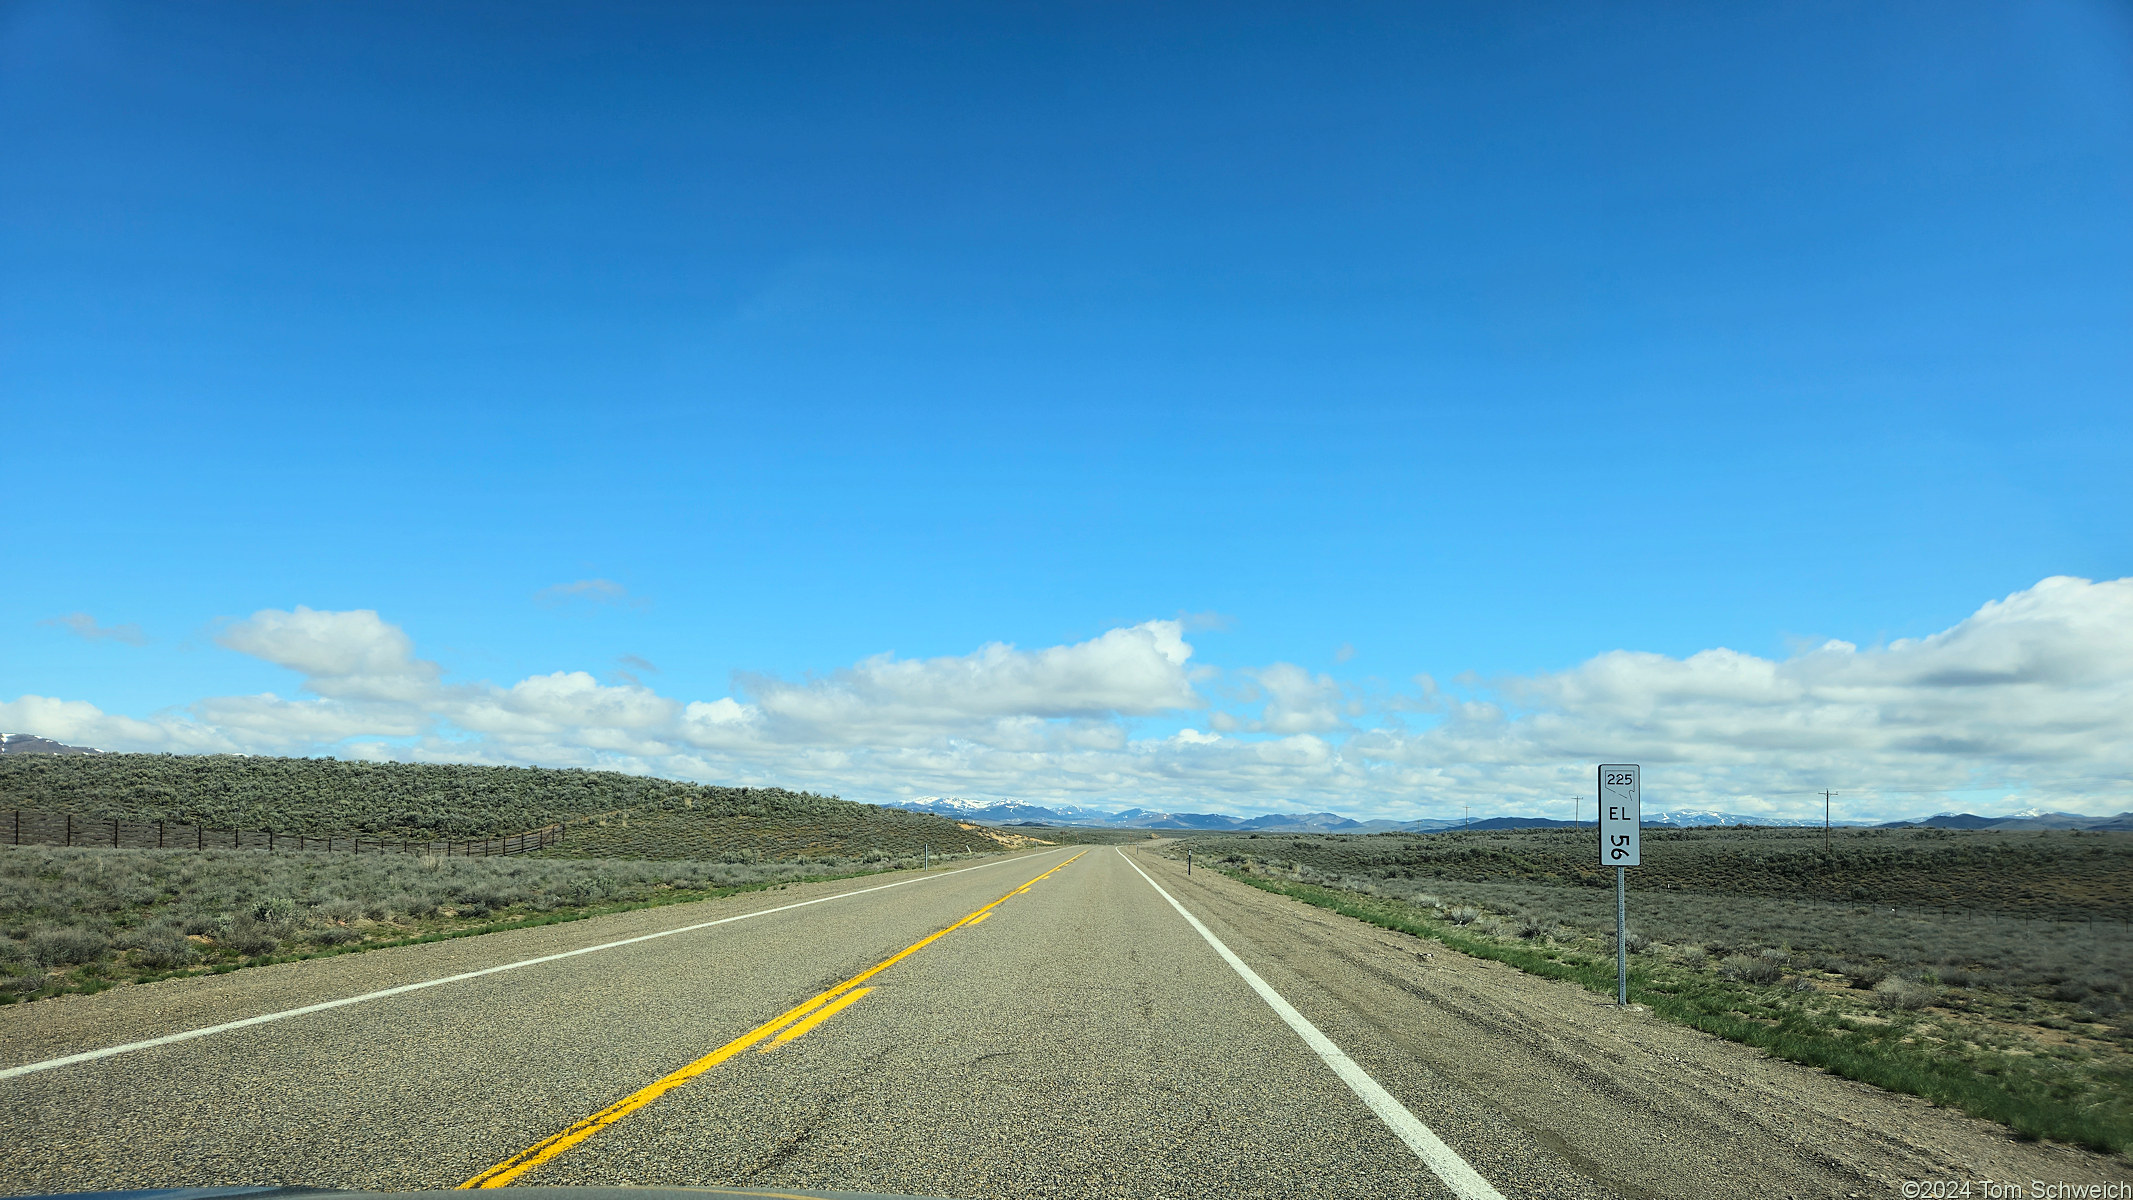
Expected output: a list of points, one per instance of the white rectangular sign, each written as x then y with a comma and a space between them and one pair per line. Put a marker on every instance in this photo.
1621, 816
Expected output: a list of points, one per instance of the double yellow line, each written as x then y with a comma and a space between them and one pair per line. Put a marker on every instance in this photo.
787, 1025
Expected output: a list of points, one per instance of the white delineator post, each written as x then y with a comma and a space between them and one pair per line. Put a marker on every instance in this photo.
1621, 828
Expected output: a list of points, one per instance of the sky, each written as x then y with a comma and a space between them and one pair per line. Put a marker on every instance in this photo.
1382, 408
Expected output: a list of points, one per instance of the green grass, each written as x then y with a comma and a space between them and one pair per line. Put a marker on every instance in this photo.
2036, 1096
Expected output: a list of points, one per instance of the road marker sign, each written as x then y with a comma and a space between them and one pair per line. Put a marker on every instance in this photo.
1621, 816
1621, 828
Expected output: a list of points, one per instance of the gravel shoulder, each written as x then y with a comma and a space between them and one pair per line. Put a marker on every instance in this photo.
1639, 1105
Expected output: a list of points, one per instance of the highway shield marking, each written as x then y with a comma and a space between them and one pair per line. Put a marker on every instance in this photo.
1441, 1159
518, 1164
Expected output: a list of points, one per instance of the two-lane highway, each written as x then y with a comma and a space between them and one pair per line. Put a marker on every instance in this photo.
1074, 1022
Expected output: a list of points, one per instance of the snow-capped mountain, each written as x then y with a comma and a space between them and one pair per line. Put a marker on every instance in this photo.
1014, 812
1000, 812
30, 743
1697, 817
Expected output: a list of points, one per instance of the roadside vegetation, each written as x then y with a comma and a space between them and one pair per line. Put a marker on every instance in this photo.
2065, 874
416, 801
80, 920
774, 832
1973, 1000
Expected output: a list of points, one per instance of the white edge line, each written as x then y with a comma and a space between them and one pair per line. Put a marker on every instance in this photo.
263, 1018
1438, 1157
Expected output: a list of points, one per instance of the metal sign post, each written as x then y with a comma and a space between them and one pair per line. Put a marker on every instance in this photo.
1621, 847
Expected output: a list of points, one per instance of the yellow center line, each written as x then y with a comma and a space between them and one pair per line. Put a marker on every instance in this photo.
518, 1164
813, 1019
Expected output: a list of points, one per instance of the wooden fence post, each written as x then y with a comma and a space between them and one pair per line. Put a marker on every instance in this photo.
114, 835
159, 833
70, 829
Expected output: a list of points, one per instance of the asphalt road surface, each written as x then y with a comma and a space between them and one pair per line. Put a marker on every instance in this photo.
1048, 1025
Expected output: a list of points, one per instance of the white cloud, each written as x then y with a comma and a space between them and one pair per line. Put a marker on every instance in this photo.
1298, 701
1138, 671
347, 655
2032, 693
84, 626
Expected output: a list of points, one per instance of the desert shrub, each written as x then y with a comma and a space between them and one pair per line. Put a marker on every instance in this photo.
1750, 970
212, 925
159, 947
68, 946
1692, 956
248, 937
1904, 994
334, 935
1532, 927
1463, 915
18, 977
338, 911
276, 908
2102, 1007
1865, 976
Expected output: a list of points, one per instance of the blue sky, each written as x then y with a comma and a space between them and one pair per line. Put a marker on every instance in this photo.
1457, 341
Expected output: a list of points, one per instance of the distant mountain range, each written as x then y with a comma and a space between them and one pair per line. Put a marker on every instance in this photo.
1009, 812
2026, 819
30, 743
1014, 813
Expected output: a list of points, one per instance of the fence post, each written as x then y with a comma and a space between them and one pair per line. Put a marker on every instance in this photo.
200, 831
159, 833
114, 835
70, 829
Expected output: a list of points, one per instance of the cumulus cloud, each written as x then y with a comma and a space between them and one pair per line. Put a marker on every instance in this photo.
1126, 672
84, 626
346, 655
2032, 693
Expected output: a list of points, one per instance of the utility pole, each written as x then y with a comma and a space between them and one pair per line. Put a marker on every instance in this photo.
1826, 851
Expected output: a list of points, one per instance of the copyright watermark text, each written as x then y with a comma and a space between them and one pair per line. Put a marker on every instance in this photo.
2012, 1189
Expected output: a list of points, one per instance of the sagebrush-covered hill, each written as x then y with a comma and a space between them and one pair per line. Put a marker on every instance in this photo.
414, 800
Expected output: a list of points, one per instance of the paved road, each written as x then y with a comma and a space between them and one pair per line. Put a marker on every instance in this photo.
1072, 1033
